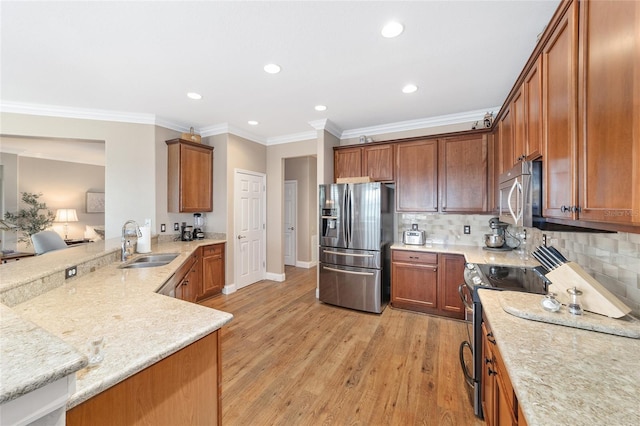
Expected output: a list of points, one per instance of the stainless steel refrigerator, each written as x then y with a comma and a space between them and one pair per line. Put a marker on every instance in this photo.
356, 232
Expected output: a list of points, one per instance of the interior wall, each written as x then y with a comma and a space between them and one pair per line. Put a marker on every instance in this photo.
127, 145
276, 155
303, 170
9, 198
63, 185
161, 166
242, 154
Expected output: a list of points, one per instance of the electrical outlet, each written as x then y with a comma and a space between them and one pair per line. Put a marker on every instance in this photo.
163, 227
176, 226
467, 229
70, 272
544, 240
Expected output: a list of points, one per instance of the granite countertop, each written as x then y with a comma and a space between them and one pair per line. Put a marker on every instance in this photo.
563, 375
137, 326
473, 254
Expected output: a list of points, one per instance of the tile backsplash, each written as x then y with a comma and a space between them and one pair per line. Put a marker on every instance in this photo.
612, 259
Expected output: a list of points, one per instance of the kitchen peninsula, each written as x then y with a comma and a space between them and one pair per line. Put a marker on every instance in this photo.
143, 336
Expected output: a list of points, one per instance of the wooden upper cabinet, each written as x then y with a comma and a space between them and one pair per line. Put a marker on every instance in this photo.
532, 88
609, 120
463, 174
505, 142
190, 177
519, 137
417, 176
559, 59
377, 162
347, 162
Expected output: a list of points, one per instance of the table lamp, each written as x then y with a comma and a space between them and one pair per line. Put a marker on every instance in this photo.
66, 216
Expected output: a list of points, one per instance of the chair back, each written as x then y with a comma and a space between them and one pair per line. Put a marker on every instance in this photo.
45, 241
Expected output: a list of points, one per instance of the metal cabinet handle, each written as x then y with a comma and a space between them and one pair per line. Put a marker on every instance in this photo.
489, 338
492, 372
576, 209
564, 209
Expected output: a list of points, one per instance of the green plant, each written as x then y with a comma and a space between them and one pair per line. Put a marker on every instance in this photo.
29, 220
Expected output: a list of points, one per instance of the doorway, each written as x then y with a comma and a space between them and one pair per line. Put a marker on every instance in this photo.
249, 227
290, 222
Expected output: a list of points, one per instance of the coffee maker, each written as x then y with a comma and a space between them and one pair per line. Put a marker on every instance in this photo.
198, 223
186, 232
497, 240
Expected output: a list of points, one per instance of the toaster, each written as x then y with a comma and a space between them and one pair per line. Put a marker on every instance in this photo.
414, 237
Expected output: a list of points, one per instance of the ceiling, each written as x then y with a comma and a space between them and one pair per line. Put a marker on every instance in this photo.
137, 61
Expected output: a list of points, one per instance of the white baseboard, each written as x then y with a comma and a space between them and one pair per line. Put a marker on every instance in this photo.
307, 265
317, 293
274, 277
229, 288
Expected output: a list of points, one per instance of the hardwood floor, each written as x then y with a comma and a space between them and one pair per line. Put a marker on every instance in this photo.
288, 359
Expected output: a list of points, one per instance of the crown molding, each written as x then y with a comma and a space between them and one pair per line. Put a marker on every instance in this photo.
222, 128
422, 123
294, 137
82, 113
328, 125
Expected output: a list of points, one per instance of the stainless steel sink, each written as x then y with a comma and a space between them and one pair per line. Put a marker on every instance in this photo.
150, 260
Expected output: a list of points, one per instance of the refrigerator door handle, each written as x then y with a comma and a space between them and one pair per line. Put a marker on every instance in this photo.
337, 253
345, 223
348, 272
350, 221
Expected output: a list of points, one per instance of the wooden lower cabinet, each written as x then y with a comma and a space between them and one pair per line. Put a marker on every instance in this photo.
212, 270
499, 401
427, 282
188, 287
182, 389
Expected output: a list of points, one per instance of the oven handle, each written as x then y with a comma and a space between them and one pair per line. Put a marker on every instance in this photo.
347, 272
467, 377
464, 299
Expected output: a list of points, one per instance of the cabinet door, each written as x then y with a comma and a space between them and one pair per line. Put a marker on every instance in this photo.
488, 380
377, 162
417, 176
450, 277
415, 285
532, 88
463, 174
212, 270
190, 177
518, 116
347, 162
505, 142
609, 95
559, 81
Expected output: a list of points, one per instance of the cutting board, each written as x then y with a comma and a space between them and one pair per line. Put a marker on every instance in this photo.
527, 306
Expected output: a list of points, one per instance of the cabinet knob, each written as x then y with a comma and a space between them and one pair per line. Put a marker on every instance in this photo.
564, 209
576, 209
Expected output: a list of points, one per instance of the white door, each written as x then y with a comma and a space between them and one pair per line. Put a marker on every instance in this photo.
249, 224
290, 209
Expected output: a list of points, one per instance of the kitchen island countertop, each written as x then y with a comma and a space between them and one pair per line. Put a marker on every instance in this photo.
563, 375
136, 326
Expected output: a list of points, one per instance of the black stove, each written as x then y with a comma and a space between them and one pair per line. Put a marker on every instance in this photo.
493, 277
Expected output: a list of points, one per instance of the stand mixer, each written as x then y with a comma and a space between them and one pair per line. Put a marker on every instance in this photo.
497, 240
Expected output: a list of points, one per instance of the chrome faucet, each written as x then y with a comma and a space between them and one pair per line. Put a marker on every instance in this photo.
125, 242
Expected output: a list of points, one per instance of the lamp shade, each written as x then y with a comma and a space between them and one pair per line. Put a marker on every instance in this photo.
66, 215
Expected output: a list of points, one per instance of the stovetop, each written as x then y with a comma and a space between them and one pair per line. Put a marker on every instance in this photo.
499, 277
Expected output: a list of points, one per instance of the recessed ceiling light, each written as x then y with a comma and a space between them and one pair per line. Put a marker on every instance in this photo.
253, 122
392, 29
272, 68
194, 95
409, 88
320, 107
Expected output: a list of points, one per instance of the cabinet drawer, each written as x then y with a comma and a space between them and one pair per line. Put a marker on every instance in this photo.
212, 250
414, 257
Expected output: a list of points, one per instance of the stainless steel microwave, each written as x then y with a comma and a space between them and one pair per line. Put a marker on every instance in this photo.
516, 194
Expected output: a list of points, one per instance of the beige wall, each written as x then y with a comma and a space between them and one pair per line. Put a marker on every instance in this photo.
63, 185
130, 167
276, 154
10, 194
303, 171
